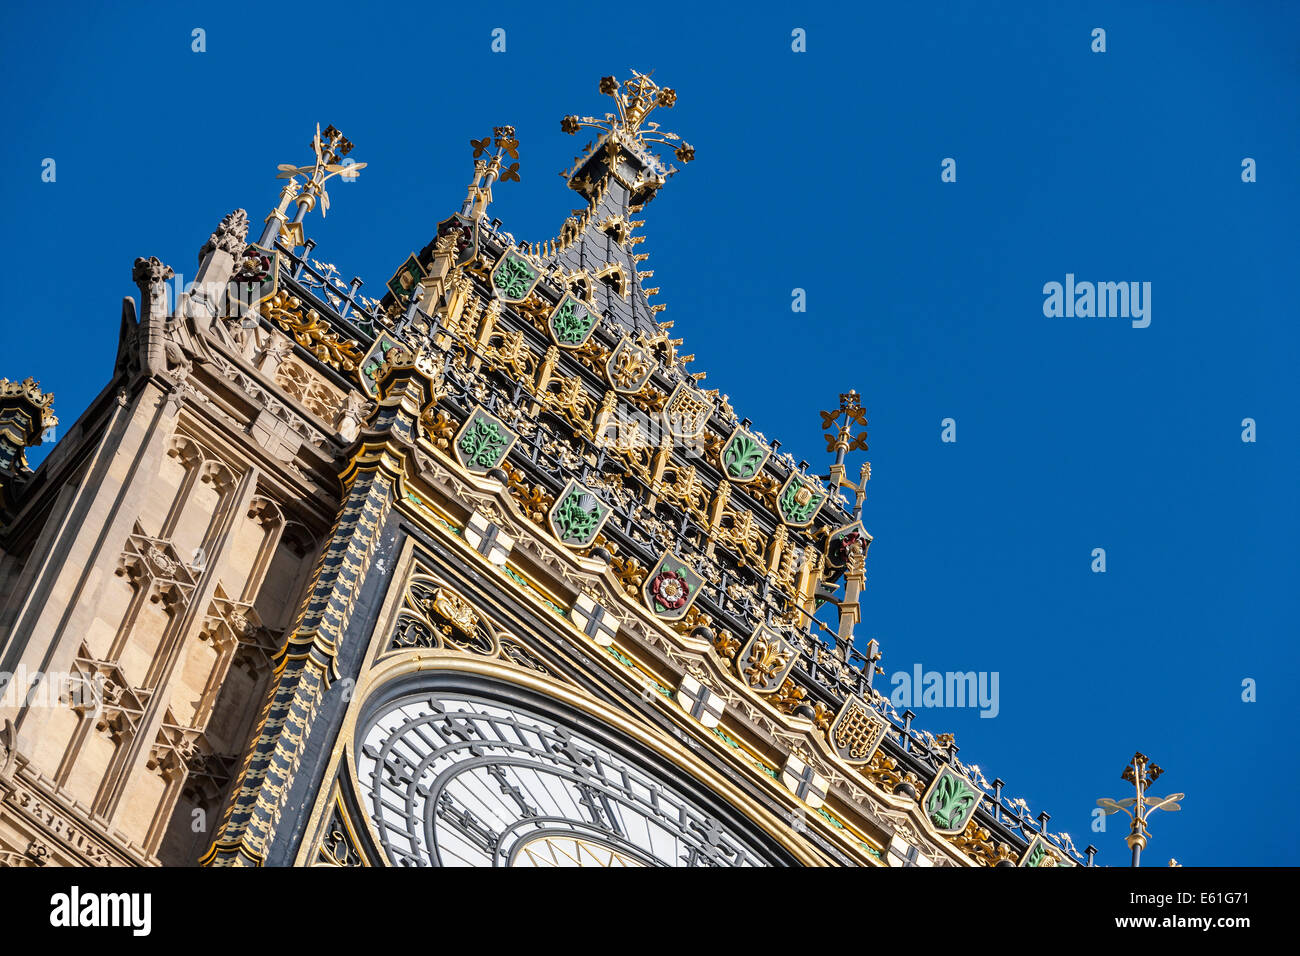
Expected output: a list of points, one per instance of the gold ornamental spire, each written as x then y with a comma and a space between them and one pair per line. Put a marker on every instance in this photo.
630, 127
488, 171
838, 426
26, 413
329, 148
1142, 772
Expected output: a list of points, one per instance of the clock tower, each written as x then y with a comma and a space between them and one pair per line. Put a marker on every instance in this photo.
477, 573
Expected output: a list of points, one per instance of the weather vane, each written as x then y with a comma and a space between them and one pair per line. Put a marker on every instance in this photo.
1142, 772
840, 439
636, 99
329, 150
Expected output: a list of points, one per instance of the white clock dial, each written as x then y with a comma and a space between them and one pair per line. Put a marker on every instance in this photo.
456, 780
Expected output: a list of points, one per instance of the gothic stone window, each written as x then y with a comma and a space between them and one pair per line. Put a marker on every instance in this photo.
466, 779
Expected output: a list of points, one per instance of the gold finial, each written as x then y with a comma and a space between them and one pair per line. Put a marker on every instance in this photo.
487, 171
852, 412
1142, 772
329, 147
636, 99
39, 406
26, 415
840, 439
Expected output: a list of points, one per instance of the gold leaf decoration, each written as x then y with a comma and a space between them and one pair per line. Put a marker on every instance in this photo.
630, 574
979, 844
312, 333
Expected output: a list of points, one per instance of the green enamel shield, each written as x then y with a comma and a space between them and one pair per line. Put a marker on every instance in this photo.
405, 279
368, 369
743, 456
950, 801
571, 323
577, 516
1042, 853
483, 442
799, 500
514, 277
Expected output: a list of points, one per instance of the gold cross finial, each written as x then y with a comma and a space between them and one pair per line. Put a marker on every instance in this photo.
1142, 772
329, 148
488, 171
852, 412
838, 425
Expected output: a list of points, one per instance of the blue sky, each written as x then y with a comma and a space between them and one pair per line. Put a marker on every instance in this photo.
821, 170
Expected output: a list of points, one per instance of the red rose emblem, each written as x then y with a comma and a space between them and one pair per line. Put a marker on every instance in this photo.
670, 590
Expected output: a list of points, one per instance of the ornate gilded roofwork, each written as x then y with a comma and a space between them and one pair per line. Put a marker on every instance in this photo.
25, 415
551, 386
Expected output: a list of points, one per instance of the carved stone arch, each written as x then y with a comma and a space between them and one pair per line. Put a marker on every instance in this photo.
264, 522
191, 517
185, 449
352, 414
218, 474
211, 468
299, 538
265, 511
288, 571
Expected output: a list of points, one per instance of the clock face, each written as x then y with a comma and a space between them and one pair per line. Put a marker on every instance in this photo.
454, 779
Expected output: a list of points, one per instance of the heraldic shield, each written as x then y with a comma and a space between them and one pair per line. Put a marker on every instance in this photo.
464, 237
571, 323
766, 660
843, 542
514, 277
799, 501
368, 369
628, 367
671, 588
483, 442
1042, 853
405, 279
255, 280
857, 731
577, 515
687, 411
950, 801
744, 455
